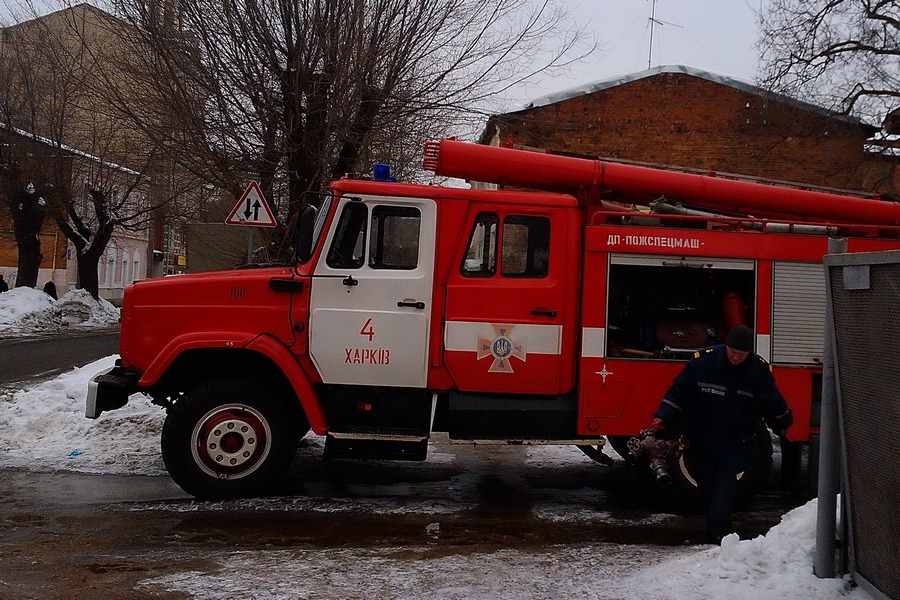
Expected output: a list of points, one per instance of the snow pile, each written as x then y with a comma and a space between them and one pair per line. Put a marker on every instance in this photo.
79, 308
29, 310
777, 566
44, 429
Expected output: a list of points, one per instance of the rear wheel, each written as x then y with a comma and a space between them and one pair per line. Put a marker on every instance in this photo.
229, 438
685, 491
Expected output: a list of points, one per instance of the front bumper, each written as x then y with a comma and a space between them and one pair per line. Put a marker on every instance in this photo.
109, 390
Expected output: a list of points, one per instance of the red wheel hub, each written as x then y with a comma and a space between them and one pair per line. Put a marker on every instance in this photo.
231, 441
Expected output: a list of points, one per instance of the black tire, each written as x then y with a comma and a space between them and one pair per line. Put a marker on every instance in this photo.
685, 493
619, 444
230, 438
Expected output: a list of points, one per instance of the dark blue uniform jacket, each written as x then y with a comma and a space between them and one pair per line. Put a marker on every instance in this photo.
717, 404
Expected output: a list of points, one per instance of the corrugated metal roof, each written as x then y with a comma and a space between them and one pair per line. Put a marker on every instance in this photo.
739, 84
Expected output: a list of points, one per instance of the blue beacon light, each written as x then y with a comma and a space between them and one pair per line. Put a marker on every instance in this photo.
382, 172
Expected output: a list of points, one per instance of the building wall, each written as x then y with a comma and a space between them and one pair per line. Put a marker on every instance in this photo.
95, 57
54, 264
123, 262
681, 119
76, 61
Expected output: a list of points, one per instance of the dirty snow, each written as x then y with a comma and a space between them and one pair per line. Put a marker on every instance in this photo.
42, 427
25, 310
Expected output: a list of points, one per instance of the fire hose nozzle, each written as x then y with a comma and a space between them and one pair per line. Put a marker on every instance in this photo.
656, 451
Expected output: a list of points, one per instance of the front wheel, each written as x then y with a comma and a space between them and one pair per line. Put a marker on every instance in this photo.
229, 439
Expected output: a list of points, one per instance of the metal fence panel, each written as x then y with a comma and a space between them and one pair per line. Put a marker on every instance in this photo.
865, 294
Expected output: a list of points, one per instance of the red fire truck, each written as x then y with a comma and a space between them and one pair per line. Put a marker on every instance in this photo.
556, 316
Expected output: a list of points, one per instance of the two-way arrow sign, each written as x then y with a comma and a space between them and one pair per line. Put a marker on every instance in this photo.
251, 209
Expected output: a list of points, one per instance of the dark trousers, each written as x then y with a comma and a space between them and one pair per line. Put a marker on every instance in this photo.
717, 478
719, 490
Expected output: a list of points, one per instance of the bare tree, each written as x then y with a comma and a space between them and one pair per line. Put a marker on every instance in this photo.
293, 93
27, 208
21, 178
844, 54
57, 105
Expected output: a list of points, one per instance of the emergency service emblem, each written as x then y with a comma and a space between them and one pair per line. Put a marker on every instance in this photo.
502, 347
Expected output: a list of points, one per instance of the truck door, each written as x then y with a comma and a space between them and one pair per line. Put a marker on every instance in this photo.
370, 298
510, 304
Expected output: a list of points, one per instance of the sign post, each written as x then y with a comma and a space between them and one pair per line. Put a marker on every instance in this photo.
253, 210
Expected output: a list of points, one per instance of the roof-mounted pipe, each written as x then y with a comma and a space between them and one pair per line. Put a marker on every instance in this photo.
550, 172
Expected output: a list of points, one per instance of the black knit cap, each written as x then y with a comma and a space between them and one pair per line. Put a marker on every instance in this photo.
740, 338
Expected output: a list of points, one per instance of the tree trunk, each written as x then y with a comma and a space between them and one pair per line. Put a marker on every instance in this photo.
29, 264
28, 218
88, 278
89, 256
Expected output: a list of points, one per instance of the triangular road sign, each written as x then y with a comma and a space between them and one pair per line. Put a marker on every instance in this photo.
251, 209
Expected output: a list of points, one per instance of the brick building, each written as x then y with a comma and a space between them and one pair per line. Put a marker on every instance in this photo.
677, 115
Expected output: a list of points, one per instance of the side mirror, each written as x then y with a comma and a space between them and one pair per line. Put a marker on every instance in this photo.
303, 235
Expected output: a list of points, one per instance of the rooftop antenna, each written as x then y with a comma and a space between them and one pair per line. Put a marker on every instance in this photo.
653, 22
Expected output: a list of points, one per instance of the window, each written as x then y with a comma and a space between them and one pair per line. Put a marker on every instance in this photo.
349, 241
125, 262
481, 256
136, 268
394, 242
526, 246
110, 267
395, 237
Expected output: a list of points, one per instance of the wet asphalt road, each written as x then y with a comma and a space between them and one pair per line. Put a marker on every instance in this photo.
66, 535
45, 355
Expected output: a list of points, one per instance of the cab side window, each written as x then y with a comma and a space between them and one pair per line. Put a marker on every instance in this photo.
395, 237
526, 246
481, 256
349, 243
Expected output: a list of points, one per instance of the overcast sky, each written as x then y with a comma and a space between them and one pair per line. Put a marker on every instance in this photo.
713, 35
718, 36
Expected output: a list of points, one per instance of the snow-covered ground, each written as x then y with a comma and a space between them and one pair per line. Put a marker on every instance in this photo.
42, 427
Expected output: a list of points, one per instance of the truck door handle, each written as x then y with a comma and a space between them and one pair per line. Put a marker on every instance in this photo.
350, 282
547, 312
419, 305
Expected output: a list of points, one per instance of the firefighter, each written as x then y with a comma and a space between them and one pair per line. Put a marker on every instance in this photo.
717, 400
